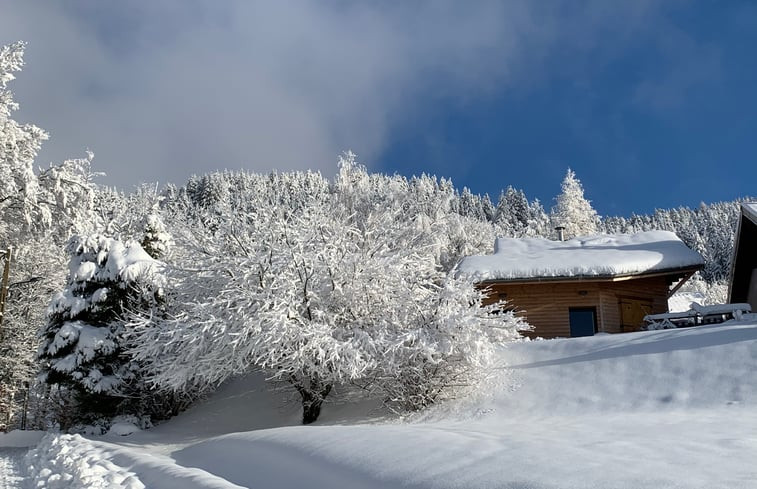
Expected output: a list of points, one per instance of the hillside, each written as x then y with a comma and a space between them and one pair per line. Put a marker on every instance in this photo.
672, 408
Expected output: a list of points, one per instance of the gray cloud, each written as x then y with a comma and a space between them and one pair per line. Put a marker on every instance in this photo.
161, 90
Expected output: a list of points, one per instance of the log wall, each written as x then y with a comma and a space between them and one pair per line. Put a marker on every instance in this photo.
545, 305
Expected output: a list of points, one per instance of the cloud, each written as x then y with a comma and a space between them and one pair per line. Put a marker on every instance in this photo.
161, 90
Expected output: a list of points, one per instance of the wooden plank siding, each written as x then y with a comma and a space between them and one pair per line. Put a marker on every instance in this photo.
545, 305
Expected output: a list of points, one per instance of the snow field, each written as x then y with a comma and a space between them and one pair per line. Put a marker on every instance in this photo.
628, 451
663, 409
669, 409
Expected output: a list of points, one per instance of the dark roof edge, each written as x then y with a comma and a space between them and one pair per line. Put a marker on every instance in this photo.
735, 254
597, 278
748, 212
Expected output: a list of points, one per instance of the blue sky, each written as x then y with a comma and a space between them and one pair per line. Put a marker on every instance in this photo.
653, 104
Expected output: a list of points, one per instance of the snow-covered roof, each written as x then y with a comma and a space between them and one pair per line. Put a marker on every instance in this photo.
750, 210
589, 256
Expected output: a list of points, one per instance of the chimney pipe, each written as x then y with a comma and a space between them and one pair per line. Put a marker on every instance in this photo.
560, 232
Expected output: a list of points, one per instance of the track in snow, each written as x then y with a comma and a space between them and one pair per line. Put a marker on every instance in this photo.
10, 462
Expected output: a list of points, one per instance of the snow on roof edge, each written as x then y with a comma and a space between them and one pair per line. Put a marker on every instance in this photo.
587, 257
596, 277
749, 209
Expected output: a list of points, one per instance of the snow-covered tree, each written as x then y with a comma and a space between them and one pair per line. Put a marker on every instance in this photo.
38, 210
715, 292
340, 289
538, 221
156, 241
708, 229
82, 343
19, 145
447, 347
36, 274
572, 211
513, 214
59, 196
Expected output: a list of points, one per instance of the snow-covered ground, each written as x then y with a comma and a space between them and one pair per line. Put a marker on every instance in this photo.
658, 409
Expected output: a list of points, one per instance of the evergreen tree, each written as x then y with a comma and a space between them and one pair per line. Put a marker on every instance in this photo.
82, 345
538, 221
156, 241
572, 211
512, 214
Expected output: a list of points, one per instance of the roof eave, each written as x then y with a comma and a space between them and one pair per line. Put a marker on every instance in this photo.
597, 278
748, 211
735, 254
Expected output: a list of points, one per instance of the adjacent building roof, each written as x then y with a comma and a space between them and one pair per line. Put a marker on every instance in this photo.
744, 254
597, 257
749, 209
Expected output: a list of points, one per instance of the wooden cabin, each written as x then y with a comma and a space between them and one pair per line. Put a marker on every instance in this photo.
743, 285
588, 285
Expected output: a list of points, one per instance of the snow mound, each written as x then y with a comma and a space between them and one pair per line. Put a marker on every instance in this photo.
123, 429
705, 367
72, 462
593, 256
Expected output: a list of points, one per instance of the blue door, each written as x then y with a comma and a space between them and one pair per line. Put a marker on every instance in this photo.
583, 321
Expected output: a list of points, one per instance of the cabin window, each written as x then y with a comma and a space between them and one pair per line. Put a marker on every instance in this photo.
583, 321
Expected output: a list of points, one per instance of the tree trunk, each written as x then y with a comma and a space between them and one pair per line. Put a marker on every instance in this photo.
312, 397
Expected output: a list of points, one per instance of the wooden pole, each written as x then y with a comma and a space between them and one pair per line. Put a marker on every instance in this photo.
4, 286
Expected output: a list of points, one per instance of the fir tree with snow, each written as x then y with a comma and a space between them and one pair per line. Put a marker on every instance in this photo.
82, 342
156, 241
572, 211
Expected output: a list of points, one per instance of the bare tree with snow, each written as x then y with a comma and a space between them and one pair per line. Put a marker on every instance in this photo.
39, 208
343, 289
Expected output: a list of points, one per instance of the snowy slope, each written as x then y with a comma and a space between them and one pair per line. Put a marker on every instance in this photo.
669, 409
